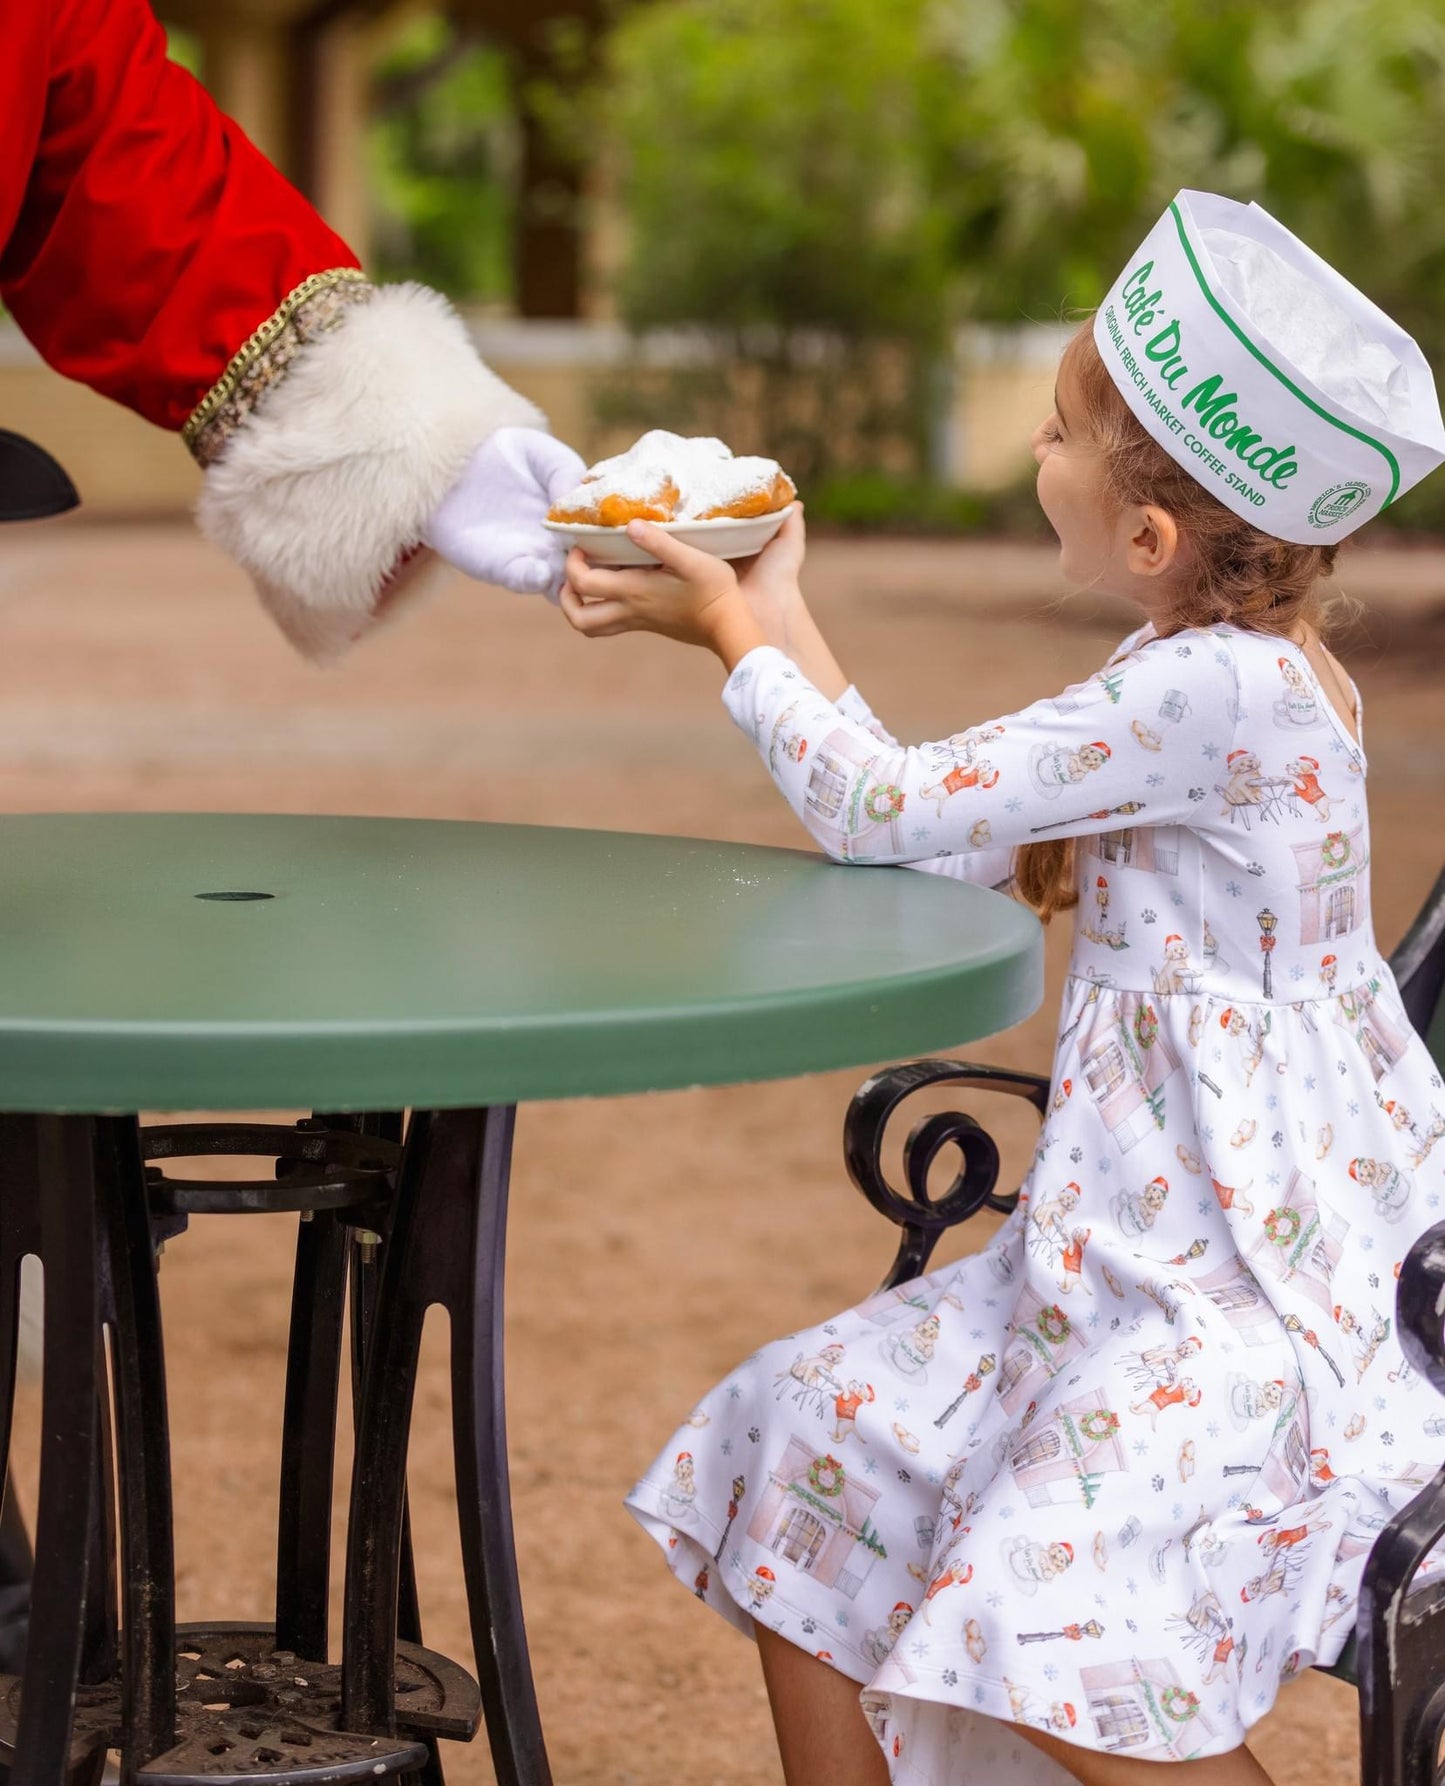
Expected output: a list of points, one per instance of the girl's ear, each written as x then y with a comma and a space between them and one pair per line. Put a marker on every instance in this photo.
1154, 542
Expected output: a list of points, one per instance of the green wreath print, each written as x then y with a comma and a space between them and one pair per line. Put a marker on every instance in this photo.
882, 802
1099, 1424
1053, 1323
827, 1476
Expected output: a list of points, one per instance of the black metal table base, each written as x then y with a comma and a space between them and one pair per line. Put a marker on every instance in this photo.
245, 1709
386, 1230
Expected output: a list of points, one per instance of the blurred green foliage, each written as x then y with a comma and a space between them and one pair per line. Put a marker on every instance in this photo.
825, 188
804, 167
442, 151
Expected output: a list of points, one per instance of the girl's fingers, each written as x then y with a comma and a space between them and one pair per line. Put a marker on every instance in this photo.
594, 619
683, 561
790, 539
606, 582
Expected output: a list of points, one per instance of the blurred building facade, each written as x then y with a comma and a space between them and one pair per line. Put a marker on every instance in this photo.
296, 75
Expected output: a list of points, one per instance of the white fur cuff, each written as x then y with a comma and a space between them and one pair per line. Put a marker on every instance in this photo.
335, 473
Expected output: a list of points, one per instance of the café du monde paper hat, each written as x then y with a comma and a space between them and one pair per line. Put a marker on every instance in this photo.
1278, 386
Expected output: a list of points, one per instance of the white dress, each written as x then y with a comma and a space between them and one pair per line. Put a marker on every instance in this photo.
1115, 1476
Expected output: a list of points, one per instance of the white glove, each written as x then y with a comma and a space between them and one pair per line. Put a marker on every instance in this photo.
489, 524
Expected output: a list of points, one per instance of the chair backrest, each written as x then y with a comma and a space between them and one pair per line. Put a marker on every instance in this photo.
1419, 968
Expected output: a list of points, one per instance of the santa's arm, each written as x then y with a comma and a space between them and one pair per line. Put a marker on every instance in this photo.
161, 259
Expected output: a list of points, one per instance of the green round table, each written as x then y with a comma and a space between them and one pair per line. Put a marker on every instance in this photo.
359, 968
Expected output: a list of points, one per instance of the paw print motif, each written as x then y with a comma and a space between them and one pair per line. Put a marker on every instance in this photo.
1254, 868
1076, 1154
1196, 793
1157, 1483
754, 1435
950, 1677
810, 1626
1374, 1280
1277, 1139
1149, 917
903, 1476
1183, 651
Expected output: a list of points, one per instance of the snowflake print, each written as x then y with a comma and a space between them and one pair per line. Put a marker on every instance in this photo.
727, 1447
1051, 1673
1309, 1081
1353, 1107
1156, 780
1013, 805
1211, 751
1233, 889
1296, 972
870, 1466
1176, 898
994, 1599
1132, 1585
1213, 1429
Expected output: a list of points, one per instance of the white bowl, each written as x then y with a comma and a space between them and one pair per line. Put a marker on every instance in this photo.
726, 537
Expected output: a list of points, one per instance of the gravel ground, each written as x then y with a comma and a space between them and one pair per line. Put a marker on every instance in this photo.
657, 1240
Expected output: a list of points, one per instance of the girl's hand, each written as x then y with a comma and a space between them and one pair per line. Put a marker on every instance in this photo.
690, 596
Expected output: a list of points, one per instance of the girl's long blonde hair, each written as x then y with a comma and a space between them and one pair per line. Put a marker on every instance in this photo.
1231, 572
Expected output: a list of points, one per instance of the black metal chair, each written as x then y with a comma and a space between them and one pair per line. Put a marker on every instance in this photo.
1397, 1656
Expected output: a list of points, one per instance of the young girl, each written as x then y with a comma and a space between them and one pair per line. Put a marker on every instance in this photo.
1075, 1507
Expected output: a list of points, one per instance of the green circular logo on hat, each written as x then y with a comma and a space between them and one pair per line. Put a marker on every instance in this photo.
1336, 503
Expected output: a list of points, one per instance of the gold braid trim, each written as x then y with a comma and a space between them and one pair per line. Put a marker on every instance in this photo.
317, 304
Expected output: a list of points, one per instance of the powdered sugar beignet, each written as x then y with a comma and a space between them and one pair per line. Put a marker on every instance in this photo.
670, 477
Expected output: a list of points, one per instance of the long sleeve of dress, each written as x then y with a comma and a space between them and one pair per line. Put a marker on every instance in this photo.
1139, 743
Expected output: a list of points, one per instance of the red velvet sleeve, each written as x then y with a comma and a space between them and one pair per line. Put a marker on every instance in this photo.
153, 238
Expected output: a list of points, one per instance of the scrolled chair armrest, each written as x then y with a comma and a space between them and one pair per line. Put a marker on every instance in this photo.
1420, 1305
922, 1216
